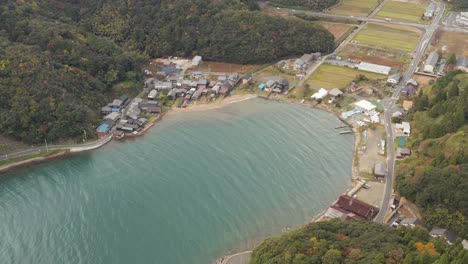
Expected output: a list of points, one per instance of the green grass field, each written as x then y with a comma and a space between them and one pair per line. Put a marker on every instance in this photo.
402, 11
398, 37
355, 7
330, 76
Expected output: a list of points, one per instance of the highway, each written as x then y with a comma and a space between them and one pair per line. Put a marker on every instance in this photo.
388, 104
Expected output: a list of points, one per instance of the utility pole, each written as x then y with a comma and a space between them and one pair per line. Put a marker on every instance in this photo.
47, 147
85, 138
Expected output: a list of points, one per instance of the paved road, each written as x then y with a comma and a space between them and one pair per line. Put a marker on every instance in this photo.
388, 103
78, 147
358, 19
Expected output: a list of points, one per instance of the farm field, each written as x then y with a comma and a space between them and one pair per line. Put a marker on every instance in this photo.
389, 36
385, 56
355, 7
339, 31
450, 42
405, 11
330, 76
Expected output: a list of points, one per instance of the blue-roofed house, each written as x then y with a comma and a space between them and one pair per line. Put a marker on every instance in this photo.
102, 130
262, 86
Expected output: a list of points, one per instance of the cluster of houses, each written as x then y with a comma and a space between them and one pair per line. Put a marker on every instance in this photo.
121, 116
333, 95
191, 89
435, 232
277, 85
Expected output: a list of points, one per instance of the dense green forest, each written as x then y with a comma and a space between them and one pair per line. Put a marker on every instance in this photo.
310, 4
435, 175
336, 241
60, 61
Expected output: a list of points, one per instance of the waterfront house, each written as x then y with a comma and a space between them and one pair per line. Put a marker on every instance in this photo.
431, 62
334, 94
320, 94
112, 117
394, 79
360, 208
411, 222
449, 237
262, 86
365, 105
224, 89
380, 170
222, 78
196, 95
246, 78
103, 129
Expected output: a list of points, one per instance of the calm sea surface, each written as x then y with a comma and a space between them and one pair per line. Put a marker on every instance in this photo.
198, 185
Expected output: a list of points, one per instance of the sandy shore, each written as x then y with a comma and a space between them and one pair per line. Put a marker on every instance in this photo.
197, 106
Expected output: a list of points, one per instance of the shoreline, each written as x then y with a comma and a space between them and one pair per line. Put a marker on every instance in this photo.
37, 160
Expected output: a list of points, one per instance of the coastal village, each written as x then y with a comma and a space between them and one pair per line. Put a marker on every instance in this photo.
370, 82
359, 104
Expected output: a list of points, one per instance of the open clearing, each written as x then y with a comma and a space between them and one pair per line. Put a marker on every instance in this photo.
272, 71
330, 76
450, 42
390, 36
224, 67
406, 11
388, 57
355, 7
339, 31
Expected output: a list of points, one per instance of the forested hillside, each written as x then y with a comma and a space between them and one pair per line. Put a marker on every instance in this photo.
435, 177
310, 4
336, 241
61, 60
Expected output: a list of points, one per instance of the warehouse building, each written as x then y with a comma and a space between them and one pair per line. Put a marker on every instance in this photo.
370, 67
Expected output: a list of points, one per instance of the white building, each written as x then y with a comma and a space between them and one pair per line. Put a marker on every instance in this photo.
196, 60
429, 13
404, 127
462, 19
365, 105
153, 94
370, 67
320, 94
431, 62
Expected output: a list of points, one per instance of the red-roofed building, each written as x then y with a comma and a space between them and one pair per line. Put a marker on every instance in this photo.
357, 207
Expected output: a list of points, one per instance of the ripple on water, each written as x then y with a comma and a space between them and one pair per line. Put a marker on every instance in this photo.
196, 186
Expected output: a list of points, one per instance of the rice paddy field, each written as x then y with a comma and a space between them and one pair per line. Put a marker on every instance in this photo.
339, 31
447, 43
390, 36
355, 7
403, 10
331, 76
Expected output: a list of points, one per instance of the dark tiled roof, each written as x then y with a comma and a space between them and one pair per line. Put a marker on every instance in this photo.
358, 207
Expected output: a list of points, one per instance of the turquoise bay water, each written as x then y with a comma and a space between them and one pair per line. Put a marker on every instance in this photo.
198, 185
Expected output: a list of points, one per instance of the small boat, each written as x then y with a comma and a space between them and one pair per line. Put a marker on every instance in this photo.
346, 132
341, 126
